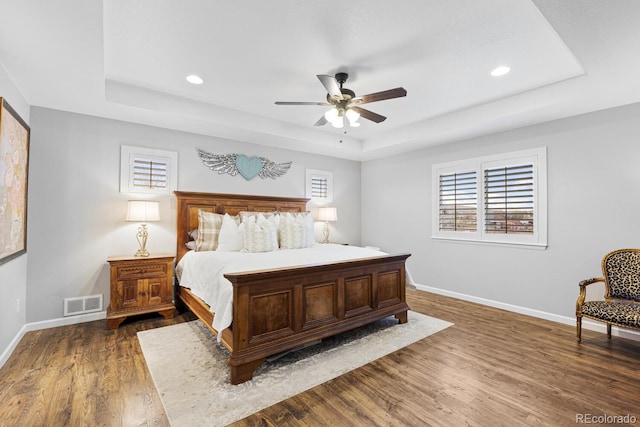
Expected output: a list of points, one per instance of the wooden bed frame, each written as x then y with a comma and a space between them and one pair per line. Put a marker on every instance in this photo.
281, 309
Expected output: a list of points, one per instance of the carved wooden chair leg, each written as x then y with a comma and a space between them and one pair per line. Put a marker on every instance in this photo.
579, 328
609, 330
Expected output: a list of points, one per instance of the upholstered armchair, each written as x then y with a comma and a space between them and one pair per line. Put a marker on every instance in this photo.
621, 305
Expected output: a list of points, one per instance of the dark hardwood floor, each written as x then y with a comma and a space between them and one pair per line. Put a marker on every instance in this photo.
492, 368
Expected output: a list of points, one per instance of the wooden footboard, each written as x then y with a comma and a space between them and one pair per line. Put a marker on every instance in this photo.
277, 310
281, 309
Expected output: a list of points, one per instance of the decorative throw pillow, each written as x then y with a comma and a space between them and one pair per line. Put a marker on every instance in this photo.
296, 230
208, 229
311, 232
245, 215
231, 237
260, 234
293, 231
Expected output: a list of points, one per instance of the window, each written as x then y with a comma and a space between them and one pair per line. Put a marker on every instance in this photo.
508, 199
497, 199
458, 201
144, 170
319, 185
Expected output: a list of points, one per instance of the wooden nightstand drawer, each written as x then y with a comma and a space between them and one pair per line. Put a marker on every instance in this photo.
141, 270
140, 285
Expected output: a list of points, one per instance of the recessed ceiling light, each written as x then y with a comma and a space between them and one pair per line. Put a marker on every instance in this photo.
500, 71
196, 80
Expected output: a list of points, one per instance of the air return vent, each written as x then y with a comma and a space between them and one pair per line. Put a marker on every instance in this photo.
82, 305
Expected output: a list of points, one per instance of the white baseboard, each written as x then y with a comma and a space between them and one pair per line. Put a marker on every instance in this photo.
586, 323
46, 324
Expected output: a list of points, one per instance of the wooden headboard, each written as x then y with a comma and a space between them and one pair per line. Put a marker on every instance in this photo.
190, 202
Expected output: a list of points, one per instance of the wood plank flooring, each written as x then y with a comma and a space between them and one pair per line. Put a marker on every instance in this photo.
492, 368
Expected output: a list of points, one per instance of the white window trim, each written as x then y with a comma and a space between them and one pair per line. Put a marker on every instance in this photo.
128, 153
536, 156
314, 173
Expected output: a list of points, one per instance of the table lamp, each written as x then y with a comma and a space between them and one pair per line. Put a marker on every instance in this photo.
327, 214
142, 211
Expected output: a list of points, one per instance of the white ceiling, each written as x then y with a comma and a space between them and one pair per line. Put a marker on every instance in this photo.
128, 59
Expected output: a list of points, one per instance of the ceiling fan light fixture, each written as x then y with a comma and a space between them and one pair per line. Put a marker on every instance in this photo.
346, 106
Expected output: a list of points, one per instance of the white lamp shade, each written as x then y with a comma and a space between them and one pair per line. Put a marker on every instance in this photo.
143, 211
338, 122
327, 214
352, 115
331, 115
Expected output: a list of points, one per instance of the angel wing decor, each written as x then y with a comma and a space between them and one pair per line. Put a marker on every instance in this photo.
248, 167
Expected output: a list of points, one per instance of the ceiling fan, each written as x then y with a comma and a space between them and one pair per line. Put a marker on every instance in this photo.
345, 103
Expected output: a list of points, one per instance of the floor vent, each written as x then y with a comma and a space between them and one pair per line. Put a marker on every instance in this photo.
82, 305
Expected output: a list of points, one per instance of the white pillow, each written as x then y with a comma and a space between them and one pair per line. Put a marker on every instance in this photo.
293, 231
311, 232
245, 215
260, 234
231, 237
296, 230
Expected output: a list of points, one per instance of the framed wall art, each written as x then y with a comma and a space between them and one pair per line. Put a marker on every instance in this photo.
14, 169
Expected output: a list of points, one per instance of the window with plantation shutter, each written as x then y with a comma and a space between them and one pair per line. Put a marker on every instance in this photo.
495, 199
319, 185
144, 170
149, 173
458, 201
508, 199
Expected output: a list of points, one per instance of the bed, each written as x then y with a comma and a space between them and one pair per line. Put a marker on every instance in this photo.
274, 310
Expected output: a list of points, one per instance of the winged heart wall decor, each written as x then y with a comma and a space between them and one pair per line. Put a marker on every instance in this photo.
248, 167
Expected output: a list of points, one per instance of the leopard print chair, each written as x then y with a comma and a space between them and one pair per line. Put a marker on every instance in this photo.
621, 305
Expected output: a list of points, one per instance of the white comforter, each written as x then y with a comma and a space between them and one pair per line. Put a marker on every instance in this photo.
203, 272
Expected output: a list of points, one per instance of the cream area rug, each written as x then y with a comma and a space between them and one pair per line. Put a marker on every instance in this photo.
189, 367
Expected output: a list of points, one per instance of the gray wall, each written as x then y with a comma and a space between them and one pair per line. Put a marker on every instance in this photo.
76, 212
13, 274
593, 207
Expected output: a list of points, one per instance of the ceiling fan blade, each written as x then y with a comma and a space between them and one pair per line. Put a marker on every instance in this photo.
321, 122
331, 85
369, 115
302, 103
385, 94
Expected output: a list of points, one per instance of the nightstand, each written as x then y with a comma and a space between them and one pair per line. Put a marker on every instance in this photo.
140, 285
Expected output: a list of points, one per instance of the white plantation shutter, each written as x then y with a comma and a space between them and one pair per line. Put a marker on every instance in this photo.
509, 197
458, 201
145, 170
149, 173
319, 187
496, 199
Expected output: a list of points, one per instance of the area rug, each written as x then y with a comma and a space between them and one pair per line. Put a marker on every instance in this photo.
189, 367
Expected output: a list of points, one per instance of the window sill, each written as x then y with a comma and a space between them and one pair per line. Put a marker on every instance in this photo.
523, 245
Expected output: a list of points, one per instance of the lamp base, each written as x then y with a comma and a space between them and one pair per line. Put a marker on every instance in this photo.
142, 241
325, 232
142, 253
